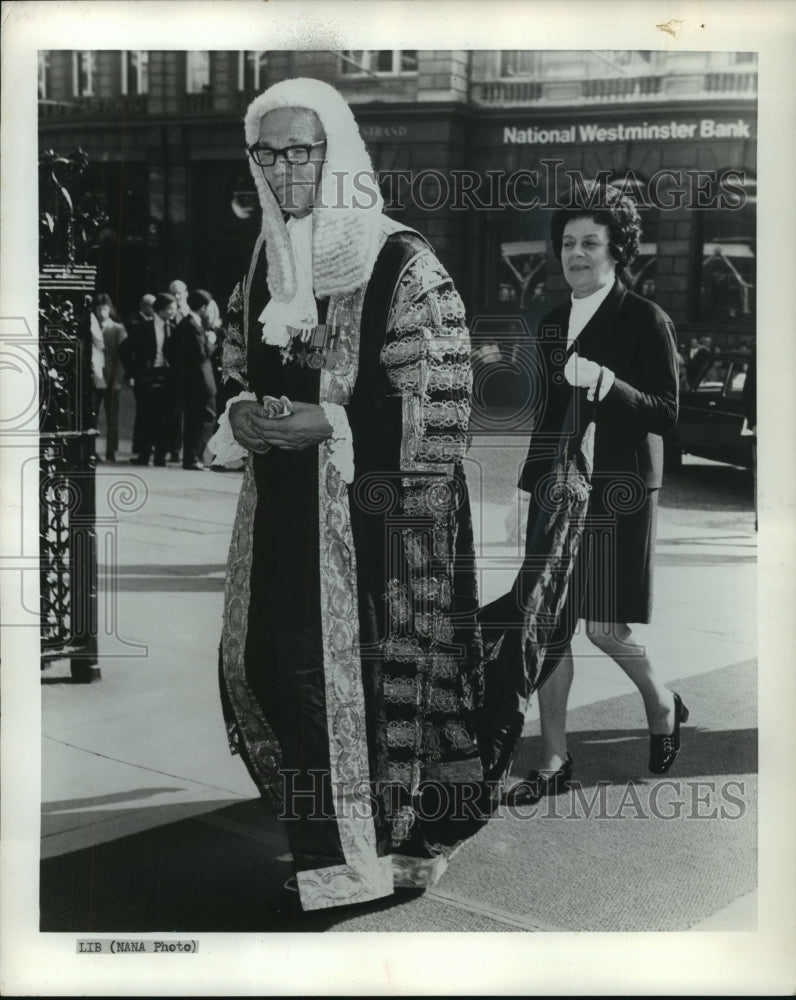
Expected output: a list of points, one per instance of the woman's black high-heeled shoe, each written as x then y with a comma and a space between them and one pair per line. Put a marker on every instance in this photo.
538, 784
664, 749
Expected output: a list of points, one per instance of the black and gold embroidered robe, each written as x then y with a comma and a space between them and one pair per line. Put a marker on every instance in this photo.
350, 654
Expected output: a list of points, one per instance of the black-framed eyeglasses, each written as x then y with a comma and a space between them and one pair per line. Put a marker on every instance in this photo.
265, 156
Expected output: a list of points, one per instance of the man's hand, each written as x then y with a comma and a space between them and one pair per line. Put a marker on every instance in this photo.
248, 423
306, 426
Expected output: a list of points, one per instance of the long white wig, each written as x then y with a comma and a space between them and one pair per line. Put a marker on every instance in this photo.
347, 216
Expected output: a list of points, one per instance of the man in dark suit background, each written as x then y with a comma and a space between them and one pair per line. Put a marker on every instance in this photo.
144, 355
192, 347
145, 313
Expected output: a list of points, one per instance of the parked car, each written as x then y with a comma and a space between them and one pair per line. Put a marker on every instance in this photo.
712, 414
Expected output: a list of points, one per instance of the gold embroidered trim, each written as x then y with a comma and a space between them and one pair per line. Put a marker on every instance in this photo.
364, 876
259, 739
342, 885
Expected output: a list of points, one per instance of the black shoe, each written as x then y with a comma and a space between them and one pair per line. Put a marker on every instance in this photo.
664, 749
139, 461
160, 462
537, 785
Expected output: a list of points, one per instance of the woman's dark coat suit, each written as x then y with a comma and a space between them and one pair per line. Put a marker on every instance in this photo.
636, 340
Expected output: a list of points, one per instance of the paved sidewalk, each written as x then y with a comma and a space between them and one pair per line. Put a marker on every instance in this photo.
143, 803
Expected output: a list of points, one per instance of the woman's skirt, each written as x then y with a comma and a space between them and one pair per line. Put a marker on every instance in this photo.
614, 570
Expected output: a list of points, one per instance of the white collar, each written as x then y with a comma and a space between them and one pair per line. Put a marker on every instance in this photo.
589, 304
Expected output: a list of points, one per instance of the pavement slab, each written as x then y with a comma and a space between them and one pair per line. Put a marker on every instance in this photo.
148, 823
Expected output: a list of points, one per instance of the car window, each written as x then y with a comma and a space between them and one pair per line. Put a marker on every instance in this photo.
714, 376
737, 379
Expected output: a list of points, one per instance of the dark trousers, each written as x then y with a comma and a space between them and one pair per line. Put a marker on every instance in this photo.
175, 420
137, 422
199, 417
96, 401
154, 413
111, 401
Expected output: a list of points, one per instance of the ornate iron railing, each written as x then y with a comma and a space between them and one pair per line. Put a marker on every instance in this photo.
67, 535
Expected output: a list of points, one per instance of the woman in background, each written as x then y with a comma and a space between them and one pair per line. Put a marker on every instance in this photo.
617, 350
112, 333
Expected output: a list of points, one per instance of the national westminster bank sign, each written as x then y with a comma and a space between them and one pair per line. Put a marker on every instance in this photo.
586, 132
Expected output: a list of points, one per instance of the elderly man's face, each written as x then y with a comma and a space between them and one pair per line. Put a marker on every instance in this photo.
294, 185
180, 292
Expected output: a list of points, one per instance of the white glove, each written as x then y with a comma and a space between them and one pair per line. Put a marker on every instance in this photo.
583, 373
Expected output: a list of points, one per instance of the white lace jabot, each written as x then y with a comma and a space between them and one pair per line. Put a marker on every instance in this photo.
300, 314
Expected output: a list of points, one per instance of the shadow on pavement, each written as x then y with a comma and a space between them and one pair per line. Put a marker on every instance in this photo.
220, 871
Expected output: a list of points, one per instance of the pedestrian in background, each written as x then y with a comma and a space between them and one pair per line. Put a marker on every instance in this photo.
144, 355
113, 334
145, 313
189, 355
179, 290
98, 383
682, 368
215, 330
699, 358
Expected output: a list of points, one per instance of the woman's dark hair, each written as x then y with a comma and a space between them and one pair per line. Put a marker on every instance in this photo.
608, 207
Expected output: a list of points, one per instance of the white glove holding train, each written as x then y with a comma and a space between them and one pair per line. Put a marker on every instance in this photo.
585, 374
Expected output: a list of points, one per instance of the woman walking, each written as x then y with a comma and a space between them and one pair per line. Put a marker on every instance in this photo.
613, 350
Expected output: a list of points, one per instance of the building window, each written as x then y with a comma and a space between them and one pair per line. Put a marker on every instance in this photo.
84, 67
727, 289
44, 72
728, 272
519, 63
197, 79
251, 70
379, 62
135, 73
